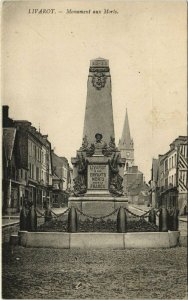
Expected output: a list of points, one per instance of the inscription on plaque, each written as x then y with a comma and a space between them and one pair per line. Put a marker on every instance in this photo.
98, 177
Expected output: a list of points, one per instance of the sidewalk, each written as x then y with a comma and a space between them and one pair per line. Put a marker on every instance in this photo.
144, 208
8, 222
15, 219
140, 209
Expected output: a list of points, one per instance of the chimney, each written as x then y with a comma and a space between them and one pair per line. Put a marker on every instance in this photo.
5, 111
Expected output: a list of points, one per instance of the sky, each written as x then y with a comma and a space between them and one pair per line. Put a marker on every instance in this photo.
45, 65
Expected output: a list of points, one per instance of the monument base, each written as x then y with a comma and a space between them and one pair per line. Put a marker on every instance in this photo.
98, 206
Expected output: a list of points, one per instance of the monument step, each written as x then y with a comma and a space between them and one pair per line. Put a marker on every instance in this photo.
99, 197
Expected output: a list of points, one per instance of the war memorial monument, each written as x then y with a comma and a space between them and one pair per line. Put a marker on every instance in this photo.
98, 215
98, 167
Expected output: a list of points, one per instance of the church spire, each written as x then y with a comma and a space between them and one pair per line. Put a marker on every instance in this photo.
126, 136
126, 140
126, 145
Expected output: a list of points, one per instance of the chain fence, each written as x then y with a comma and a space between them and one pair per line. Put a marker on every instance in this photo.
95, 224
93, 221
42, 215
143, 216
97, 218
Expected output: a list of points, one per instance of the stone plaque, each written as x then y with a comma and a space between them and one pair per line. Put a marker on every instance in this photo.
98, 177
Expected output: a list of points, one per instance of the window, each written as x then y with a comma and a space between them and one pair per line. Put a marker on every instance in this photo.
37, 173
62, 170
29, 147
35, 152
166, 165
30, 171
175, 159
172, 161
166, 182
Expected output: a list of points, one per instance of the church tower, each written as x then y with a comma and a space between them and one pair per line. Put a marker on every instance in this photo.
126, 145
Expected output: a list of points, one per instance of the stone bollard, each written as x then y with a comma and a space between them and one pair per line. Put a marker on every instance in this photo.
48, 214
72, 220
176, 219
121, 220
170, 219
23, 219
14, 240
163, 220
32, 219
173, 221
152, 216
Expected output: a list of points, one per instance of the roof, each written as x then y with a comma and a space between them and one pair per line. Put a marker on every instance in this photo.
8, 141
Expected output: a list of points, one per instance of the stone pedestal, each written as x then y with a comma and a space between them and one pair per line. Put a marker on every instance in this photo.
98, 206
98, 201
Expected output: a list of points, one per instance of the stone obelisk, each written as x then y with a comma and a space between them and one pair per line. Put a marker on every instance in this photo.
99, 112
98, 167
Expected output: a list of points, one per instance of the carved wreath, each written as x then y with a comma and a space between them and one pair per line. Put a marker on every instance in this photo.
98, 80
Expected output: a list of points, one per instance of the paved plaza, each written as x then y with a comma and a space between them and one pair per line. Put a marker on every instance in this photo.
111, 274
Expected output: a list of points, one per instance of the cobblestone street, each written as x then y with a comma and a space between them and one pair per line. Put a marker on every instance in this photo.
59, 273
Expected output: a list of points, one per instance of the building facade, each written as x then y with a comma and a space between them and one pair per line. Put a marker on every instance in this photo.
169, 176
12, 183
27, 165
133, 182
61, 180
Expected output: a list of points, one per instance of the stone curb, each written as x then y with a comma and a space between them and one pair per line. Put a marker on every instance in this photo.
95, 240
183, 241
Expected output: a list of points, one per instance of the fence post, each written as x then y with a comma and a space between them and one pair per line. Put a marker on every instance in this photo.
152, 216
23, 219
47, 214
176, 219
163, 220
32, 219
72, 220
121, 220
173, 220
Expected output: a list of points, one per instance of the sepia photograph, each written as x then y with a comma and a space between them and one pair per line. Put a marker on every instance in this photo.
94, 149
